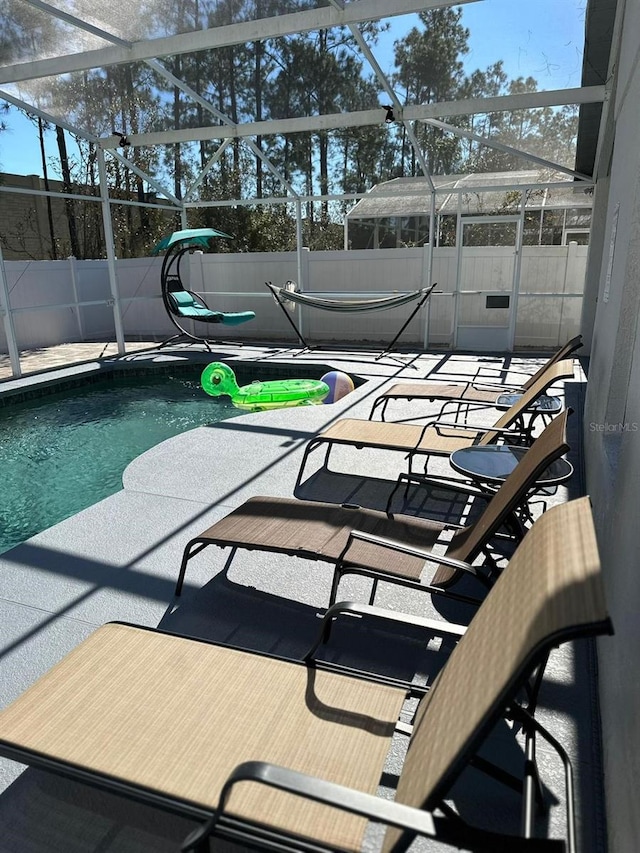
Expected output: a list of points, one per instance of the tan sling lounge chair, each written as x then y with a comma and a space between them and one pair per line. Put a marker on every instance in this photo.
288, 755
470, 392
325, 531
435, 438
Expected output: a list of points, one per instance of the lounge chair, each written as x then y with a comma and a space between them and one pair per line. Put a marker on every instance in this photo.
472, 392
559, 355
435, 438
324, 531
288, 755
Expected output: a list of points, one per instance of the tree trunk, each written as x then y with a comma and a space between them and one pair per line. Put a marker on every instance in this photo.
177, 112
177, 162
323, 139
233, 100
257, 82
66, 186
94, 244
45, 174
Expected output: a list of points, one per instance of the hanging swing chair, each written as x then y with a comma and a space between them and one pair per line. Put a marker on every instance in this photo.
181, 304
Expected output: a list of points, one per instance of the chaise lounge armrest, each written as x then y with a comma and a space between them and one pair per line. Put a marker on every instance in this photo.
353, 608
419, 822
440, 482
468, 426
495, 386
394, 545
427, 556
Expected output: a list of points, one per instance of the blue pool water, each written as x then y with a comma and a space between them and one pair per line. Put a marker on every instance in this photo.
66, 451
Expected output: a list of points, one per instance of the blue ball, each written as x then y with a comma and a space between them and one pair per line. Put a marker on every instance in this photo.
339, 384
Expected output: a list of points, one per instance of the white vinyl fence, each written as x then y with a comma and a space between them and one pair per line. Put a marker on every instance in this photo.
54, 302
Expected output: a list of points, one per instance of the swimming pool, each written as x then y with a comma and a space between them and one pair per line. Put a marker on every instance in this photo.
61, 453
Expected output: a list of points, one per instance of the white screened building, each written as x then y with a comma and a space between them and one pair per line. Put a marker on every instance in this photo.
397, 213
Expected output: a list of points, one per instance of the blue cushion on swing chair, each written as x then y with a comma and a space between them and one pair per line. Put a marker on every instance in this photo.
197, 313
237, 318
186, 306
183, 299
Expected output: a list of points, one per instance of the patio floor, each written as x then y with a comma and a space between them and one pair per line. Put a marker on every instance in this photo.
118, 560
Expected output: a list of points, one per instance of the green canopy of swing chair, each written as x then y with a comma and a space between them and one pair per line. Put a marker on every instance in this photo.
190, 236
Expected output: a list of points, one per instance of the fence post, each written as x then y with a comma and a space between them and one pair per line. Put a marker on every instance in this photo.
74, 285
299, 247
303, 282
111, 256
569, 283
196, 270
517, 275
427, 274
570, 270
7, 320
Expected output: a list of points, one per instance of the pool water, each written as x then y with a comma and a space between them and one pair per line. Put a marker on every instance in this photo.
61, 453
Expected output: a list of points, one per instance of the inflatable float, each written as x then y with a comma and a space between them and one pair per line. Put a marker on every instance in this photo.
218, 378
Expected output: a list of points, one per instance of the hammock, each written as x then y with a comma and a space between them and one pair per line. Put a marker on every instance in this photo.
289, 294
347, 306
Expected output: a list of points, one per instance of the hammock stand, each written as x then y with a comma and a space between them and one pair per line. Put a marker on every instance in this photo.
182, 304
289, 294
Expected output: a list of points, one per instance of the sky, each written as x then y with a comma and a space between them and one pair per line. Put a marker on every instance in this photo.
538, 38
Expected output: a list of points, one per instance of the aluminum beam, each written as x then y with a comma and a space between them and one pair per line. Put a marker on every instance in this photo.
389, 92
7, 321
145, 177
246, 31
500, 146
29, 108
363, 118
208, 107
111, 253
160, 69
447, 191
206, 169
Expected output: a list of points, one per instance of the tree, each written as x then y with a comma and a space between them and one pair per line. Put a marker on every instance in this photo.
544, 132
313, 73
429, 70
119, 99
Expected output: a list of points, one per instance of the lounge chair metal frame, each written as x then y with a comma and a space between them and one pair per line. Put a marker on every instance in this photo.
324, 302
476, 391
435, 437
341, 530
413, 449
503, 650
520, 713
448, 828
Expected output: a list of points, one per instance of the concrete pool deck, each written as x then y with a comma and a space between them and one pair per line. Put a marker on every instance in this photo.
118, 560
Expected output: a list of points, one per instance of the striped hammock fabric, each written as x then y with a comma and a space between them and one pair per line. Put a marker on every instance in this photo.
346, 306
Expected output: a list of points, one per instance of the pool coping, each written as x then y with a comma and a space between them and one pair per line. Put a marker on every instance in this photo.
111, 368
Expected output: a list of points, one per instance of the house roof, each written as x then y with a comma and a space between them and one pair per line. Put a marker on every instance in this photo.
599, 26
